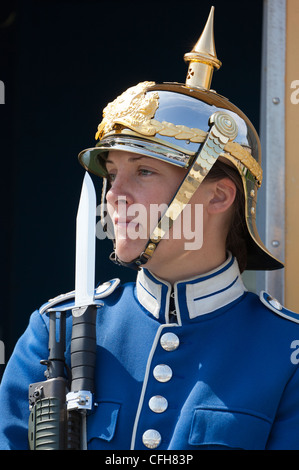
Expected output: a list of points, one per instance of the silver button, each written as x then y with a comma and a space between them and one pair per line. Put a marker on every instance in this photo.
162, 373
158, 404
274, 303
151, 438
169, 341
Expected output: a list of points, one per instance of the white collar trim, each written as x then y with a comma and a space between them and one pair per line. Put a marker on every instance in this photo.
204, 294
149, 293
208, 295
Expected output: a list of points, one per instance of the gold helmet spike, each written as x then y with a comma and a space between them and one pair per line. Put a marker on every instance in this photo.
203, 58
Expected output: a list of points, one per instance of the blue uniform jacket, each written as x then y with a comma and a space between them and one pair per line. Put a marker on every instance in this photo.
224, 374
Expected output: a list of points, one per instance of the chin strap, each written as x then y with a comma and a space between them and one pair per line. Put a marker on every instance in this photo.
223, 130
134, 264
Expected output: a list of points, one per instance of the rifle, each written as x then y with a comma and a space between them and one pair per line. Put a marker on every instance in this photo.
59, 405
51, 426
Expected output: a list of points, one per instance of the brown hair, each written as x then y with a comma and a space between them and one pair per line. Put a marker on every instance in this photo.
237, 233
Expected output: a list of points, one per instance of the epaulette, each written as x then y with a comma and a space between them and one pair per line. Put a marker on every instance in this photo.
67, 301
276, 307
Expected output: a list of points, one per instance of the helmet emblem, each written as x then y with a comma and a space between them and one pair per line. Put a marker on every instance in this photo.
133, 109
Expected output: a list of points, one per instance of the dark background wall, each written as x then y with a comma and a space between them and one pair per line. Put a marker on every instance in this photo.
61, 63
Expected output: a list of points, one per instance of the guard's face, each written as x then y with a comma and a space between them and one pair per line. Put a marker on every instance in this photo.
141, 188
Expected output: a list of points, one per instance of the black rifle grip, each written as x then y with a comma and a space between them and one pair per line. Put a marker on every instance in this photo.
83, 348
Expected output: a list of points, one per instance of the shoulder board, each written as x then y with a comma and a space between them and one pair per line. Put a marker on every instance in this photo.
276, 307
67, 301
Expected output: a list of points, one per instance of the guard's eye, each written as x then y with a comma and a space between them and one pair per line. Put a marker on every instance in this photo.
111, 177
145, 172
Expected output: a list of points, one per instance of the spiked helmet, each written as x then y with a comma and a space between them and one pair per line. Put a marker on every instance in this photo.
188, 125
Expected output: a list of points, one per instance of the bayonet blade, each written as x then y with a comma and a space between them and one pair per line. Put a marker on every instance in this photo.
85, 245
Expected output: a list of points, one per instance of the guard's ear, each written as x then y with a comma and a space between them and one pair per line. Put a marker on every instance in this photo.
223, 196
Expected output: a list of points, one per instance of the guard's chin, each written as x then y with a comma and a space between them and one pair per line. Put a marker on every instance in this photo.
129, 251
